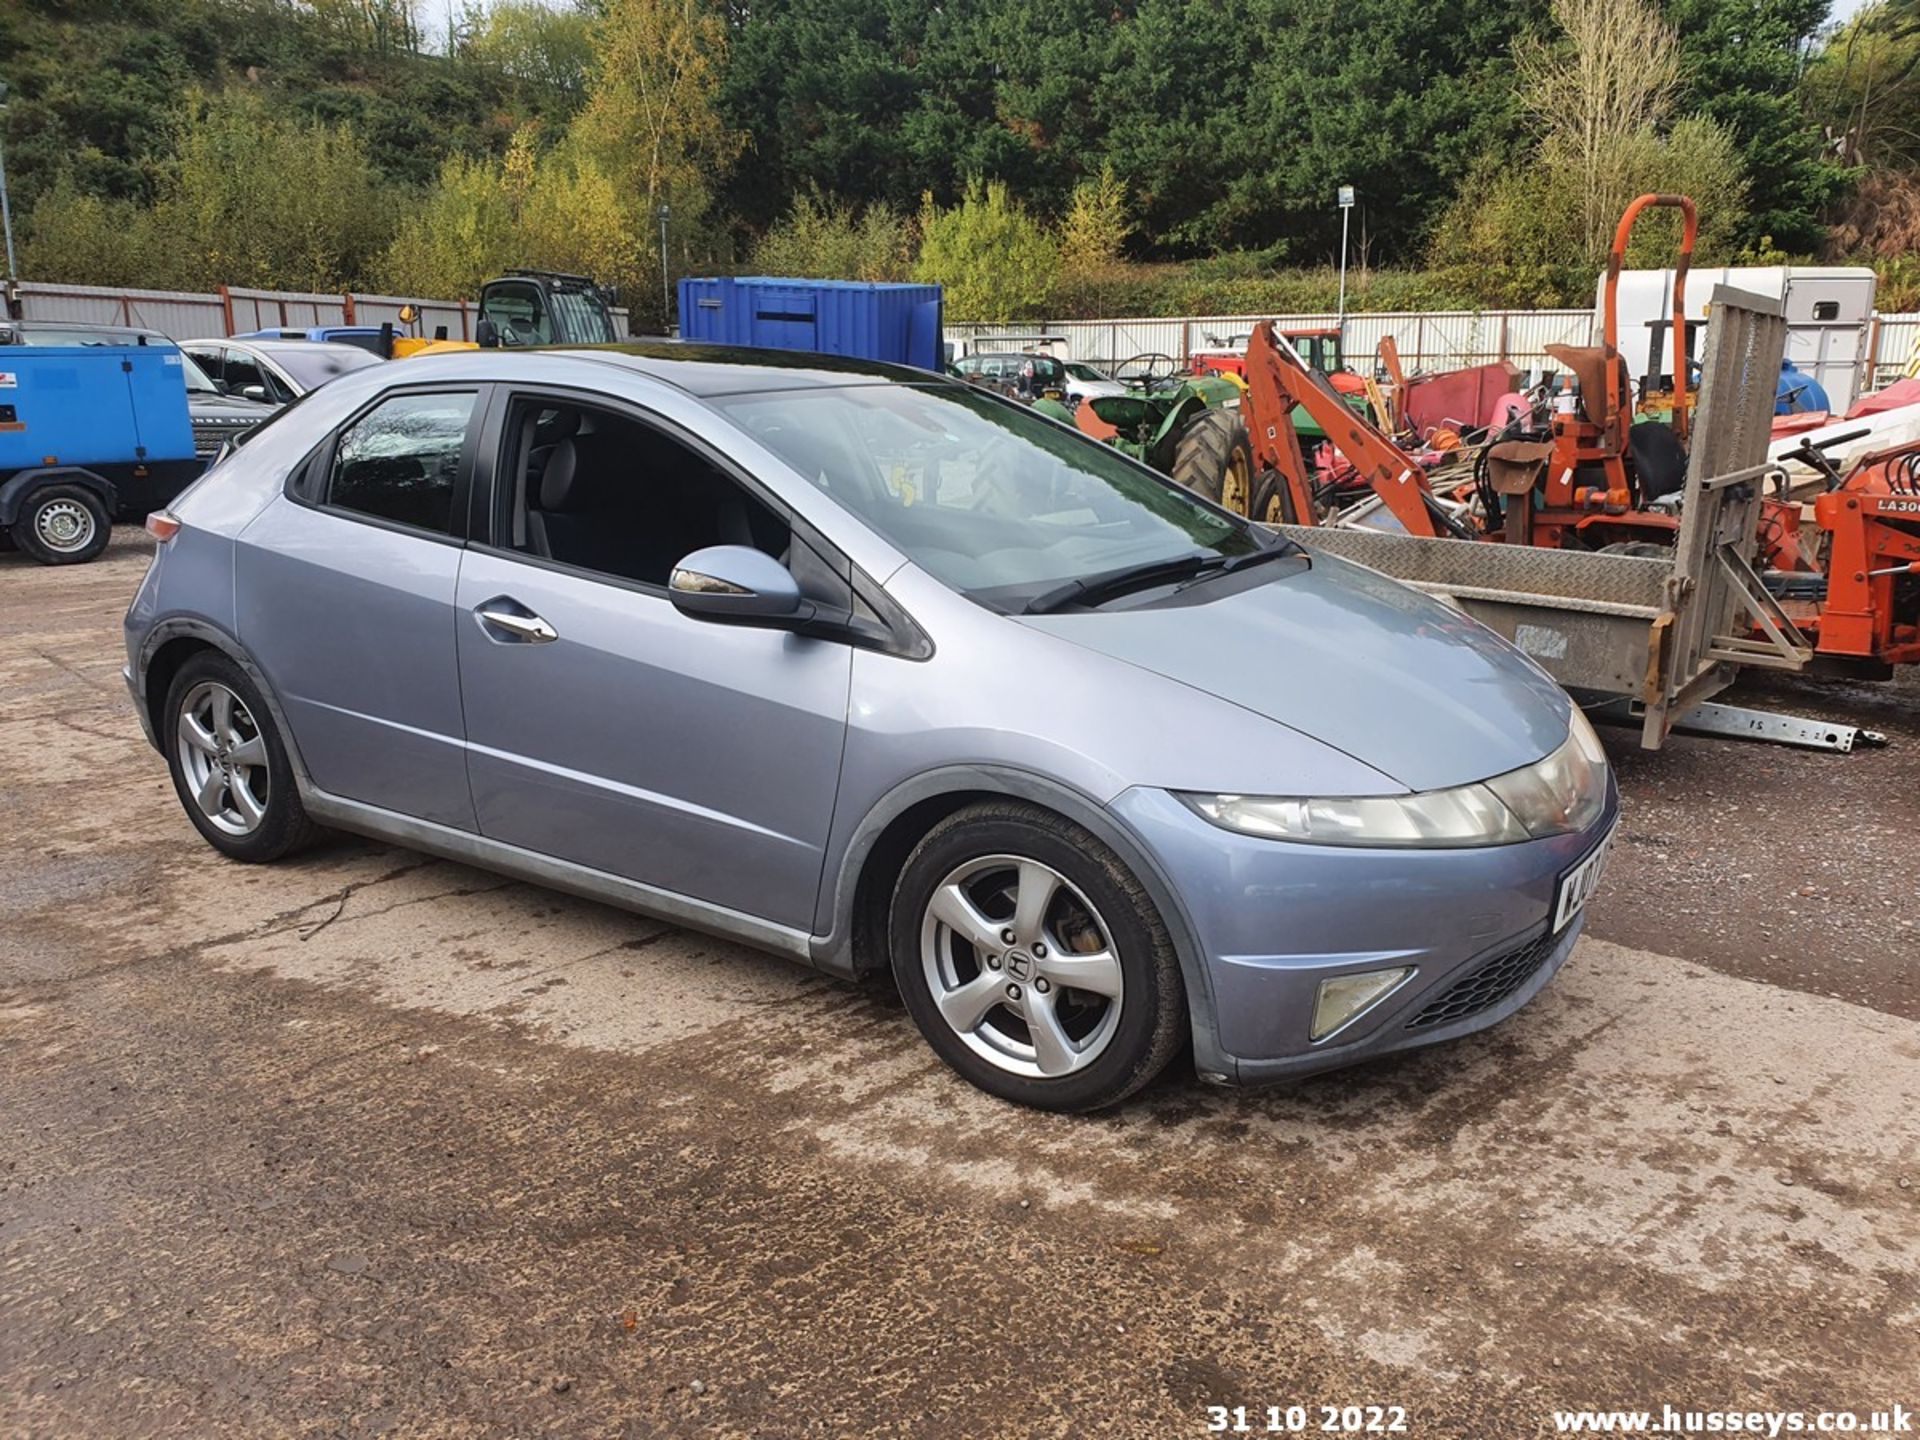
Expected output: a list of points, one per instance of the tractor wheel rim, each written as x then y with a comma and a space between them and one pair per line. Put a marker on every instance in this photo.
64, 525
1236, 492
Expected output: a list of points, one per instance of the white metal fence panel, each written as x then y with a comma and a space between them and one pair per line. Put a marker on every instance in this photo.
278, 309
187, 316
1426, 340
169, 312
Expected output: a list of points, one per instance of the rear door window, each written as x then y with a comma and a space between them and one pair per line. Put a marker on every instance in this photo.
402, 461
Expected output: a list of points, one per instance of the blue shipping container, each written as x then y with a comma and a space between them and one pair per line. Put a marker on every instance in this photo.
898, 323
92, 405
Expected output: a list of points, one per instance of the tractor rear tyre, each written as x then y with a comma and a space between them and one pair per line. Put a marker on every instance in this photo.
1272, 500
1214, 458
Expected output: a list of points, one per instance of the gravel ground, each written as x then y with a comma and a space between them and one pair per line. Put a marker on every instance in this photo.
370, 1143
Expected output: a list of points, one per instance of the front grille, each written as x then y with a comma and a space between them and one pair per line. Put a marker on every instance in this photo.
210, 435
1486, 986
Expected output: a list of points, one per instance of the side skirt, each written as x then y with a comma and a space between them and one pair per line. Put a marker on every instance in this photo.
477, 850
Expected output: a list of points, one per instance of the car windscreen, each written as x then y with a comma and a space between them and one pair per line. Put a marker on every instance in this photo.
311, 365
580, 318
988, 496
197, 381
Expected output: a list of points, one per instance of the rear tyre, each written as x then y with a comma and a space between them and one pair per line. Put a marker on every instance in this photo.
1033, 962
229, 765
1272, 500
62, 525
1214, 458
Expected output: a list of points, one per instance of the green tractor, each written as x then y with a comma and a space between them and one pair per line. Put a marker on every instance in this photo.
1183, 425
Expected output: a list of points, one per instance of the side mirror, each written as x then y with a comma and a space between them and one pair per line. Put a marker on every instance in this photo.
738, 584
254, 392
487, 334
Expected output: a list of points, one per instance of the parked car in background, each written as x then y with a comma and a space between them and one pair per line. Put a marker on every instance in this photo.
876, 670
1086, 382
217, 416
370, 338
1024, 376
275, 371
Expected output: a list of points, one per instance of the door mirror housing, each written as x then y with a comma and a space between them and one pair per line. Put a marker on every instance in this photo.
739, 585
253, 392
487, 334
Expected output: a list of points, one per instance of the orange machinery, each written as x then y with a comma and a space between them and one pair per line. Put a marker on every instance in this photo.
1855, 591
1583, 480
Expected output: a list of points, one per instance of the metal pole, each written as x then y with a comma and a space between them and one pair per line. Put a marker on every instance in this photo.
6, 211
666, 293
1346, 211
1345, 197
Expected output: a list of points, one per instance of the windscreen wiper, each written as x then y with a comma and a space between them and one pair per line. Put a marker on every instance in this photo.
1092, 589
1192, 568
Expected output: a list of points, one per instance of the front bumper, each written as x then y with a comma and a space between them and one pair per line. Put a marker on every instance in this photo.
1271, 920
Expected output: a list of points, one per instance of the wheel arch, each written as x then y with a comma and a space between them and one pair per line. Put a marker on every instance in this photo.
862, 886
22, 483
173, 642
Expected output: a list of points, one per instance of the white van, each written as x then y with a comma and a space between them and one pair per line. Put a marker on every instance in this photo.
1829, 318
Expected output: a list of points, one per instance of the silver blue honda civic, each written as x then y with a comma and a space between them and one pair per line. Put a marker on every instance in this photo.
881, 672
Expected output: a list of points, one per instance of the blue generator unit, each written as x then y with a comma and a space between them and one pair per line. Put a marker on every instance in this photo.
89, 433
897, 323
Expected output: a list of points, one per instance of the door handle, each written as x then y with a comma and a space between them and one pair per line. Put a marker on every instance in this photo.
520, 624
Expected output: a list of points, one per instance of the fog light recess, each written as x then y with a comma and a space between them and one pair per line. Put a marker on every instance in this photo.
1345, 998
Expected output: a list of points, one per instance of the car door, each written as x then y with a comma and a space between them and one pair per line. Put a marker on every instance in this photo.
606, 728
245, 373
345, 587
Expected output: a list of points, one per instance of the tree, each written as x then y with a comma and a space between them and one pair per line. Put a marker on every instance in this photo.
1597, 93
996, 261
88, 239
553, 210
650, 123
1096, 224
537, 44
1742, 64
250, 198
1602, 98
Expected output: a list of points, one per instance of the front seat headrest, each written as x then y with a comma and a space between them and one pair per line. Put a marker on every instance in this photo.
579, 474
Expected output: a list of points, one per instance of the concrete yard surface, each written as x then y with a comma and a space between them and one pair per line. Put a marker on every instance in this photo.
370, 1143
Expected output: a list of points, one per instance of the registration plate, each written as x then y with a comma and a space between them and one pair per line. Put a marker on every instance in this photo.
1578, 884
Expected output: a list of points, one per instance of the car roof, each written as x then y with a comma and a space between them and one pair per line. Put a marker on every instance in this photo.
708, 370
295, 347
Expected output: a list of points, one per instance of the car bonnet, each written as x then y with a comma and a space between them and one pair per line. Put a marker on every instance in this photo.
1397, 680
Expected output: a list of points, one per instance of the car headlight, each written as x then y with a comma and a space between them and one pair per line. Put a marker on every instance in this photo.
1566, 791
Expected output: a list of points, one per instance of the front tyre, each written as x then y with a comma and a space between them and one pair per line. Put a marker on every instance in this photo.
62, 525
1032, 960
229, 764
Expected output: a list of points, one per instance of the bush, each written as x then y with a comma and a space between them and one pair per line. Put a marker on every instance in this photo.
996, 261
827, 239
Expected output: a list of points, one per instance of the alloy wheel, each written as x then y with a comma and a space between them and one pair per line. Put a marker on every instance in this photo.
1021, 966
223, 756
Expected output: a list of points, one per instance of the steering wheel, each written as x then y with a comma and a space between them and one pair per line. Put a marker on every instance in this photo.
1147, 371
